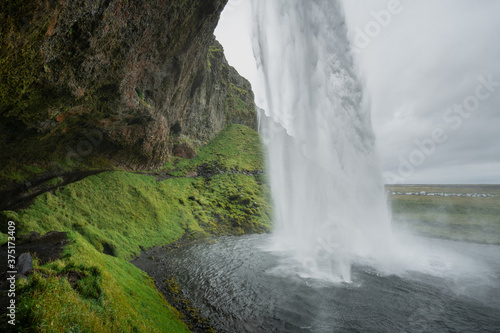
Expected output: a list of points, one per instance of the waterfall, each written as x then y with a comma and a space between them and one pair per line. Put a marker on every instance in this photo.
329, 198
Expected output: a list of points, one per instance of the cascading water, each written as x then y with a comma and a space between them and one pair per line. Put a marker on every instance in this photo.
330, 211
330, 205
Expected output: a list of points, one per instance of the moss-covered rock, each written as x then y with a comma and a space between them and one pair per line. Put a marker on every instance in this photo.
111, 216
223, 97
111, 83
108, 85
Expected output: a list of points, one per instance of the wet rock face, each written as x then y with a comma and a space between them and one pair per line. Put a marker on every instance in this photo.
137, 75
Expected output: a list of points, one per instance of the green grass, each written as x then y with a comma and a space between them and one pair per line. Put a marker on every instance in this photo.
120, 209
236, 147
111, 216
125, 211
111, 295
458, 218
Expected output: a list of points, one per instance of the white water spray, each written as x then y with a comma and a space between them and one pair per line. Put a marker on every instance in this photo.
330, 205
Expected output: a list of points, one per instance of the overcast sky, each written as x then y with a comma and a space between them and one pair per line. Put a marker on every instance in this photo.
431, 71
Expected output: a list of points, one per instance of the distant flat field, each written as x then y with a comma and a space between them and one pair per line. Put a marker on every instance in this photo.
459, 212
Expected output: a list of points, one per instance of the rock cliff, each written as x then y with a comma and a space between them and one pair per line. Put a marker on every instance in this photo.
111, 83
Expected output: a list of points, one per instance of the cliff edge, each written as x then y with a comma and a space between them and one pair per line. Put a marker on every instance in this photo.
110, 84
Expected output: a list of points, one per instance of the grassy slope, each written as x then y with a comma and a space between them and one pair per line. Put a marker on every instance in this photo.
234, 148
118, 213
112, 296
459, 218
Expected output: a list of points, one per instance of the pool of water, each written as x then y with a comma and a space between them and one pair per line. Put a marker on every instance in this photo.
242, 286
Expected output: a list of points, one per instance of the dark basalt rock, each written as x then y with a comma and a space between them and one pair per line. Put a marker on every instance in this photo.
46, 248
184, 150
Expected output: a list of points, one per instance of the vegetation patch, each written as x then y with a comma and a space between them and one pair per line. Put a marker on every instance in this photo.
88, 291
237, 147
120, 212
214, 52
110, 217
238, 104
473, 219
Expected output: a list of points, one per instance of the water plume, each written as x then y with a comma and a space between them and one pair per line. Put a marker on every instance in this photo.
330, 205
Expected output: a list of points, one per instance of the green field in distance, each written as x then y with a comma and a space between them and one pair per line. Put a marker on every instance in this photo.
459, 212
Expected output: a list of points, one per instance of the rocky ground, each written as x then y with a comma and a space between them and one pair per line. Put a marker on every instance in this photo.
47, 248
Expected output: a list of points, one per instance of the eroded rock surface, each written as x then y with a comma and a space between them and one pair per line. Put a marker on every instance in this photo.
94, 84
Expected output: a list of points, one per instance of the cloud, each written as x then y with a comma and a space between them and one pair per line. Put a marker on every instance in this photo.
422, 61
425, 61
234, 33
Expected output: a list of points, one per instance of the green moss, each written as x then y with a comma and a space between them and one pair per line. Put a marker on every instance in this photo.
118, 213
54, 181
124, 211
111, 216
34, 169
214, 52
3, 238
236, 147
236, 107
23, 29
231, 204
14, 175
87, 291
121, 209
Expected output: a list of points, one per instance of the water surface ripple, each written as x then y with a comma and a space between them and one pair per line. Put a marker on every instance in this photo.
243, 287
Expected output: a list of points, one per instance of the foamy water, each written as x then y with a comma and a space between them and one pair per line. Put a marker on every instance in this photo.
328, 193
